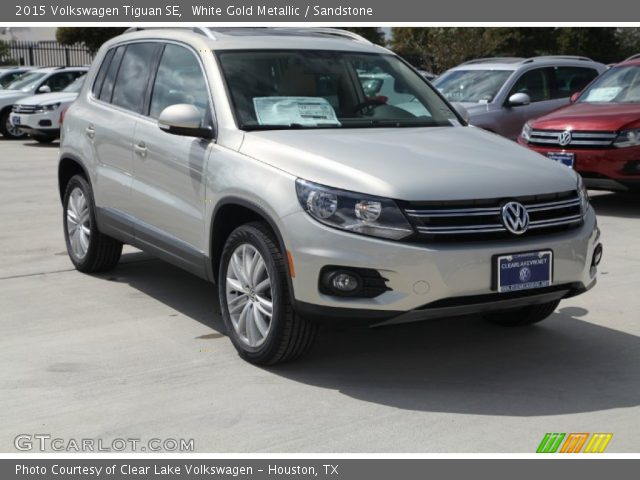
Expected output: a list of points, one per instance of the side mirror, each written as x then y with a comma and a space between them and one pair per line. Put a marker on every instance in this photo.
519, 100
44, 89
461, 109
183, 119
574, 97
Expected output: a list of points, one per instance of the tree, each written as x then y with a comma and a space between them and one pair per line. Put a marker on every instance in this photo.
91, 37
373, 34
628, 41
598, 43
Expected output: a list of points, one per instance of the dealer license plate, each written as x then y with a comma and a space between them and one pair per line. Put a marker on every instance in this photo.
523, 271
567, 159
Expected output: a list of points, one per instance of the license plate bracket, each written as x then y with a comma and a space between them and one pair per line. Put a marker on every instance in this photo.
567, 159
523, 271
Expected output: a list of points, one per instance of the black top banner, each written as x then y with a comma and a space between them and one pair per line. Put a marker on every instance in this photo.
316, 11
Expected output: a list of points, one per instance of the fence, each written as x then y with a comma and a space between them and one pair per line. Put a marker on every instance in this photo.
45, 54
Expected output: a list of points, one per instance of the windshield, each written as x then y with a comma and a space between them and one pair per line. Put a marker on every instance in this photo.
25, 82
617, 85
328, 89
474, 86
75, 86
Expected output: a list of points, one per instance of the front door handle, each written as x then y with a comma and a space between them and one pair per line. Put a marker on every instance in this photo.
90, 131
140, 149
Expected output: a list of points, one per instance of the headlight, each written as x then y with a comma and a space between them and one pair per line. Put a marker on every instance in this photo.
627, 138
47, 108
526, 132
353, 212
583, 195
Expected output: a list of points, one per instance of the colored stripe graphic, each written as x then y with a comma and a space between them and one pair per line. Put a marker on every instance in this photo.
574, 442
598, 443
550, 443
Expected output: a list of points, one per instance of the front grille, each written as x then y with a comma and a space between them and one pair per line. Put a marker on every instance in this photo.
580, 139
24, 109
482, 219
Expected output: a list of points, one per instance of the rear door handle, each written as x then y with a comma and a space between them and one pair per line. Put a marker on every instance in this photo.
90, 131
140, 149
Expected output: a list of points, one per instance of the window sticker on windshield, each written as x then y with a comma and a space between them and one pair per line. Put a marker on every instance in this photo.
294, 110
605, 94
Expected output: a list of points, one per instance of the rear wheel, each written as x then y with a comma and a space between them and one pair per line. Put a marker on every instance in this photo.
255, 298
89, 250
9, 131
523, 316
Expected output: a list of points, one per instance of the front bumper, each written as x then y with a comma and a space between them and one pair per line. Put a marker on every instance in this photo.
602, 169
427, 277
47, 123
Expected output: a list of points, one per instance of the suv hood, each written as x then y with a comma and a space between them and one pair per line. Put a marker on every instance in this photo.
590, 116
48, 98
437, 163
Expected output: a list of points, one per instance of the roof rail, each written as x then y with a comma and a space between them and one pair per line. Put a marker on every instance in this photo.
558, 57
201, 30
632, 57
493, 60
339, 32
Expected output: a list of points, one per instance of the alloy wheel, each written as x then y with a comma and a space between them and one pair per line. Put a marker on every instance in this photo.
78, 223
249, 295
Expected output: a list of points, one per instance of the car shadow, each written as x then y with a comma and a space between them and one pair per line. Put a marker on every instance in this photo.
36, 144
617, 204
462, 365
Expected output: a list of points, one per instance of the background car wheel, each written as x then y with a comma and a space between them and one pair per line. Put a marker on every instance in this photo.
255, 300
523, 316
43, 138
9, 131
89, 250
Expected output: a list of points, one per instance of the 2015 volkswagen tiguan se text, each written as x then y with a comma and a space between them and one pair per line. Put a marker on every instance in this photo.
255, 159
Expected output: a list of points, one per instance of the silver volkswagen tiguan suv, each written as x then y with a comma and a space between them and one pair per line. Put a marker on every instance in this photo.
255, 159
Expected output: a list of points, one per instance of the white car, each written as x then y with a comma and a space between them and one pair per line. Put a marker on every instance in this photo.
40, 116
35, 82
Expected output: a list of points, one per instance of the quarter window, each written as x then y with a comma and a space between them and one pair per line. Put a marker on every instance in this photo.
97, 85
109, 80
179, 80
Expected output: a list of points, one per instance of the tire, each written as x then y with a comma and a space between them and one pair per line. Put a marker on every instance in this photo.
523, 316
287, 336
7, 130
89, 250
44, 138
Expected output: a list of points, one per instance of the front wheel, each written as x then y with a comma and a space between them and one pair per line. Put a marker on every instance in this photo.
255, 299
7, 129
523, 316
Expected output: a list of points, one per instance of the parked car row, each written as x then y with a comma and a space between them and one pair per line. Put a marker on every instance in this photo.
33, 100
573, 110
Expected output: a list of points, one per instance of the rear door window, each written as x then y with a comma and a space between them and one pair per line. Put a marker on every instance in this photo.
131, 83
569, 80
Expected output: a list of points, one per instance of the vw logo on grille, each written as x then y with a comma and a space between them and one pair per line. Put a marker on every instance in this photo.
564, 138
515, 217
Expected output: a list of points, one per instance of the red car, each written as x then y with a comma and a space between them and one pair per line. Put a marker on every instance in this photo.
598, 134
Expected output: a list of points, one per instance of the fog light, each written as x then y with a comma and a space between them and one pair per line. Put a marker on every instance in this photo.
344, 282
597, 255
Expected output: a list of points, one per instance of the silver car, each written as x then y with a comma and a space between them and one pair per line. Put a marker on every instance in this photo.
501, 94
255, 160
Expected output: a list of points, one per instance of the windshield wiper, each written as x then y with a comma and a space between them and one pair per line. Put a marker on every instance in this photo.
293, 126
